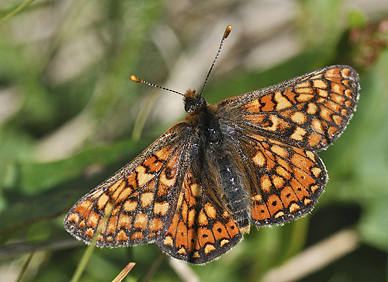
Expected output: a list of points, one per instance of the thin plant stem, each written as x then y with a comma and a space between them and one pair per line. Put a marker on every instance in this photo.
15, 11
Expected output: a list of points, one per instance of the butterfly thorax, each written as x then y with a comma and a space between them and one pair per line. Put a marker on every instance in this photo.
203, 119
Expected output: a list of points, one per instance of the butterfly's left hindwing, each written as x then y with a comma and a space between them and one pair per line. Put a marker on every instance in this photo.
289, 180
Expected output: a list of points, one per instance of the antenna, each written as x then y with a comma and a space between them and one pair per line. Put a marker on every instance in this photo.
138, 80
226, 34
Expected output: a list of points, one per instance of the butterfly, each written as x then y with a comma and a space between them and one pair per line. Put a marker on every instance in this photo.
251, 158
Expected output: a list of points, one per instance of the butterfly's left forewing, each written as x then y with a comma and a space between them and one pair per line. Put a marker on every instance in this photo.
289, 180
277, 131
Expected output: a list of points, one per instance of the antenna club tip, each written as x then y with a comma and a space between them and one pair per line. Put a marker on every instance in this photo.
227, 31
135, 79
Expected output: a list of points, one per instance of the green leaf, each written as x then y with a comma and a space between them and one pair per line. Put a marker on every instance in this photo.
31, 178
60, 184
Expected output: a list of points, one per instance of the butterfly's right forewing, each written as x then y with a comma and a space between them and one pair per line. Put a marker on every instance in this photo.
137, 203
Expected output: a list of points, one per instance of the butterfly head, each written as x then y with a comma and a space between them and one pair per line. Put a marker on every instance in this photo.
193, 101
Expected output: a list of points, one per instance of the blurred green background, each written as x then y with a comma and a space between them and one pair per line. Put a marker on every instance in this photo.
70, 117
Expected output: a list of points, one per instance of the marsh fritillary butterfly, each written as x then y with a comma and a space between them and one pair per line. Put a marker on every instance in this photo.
251, 158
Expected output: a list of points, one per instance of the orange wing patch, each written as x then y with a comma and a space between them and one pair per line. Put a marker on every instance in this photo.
291, 180
200, 230
132, 209
309, 111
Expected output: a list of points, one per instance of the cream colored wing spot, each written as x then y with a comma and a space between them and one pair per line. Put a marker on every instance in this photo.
298, 117
266, 183
259, 159
304, 97
146, 199
101, 202
210, 211
161, 208
298, 134
282, 102
141, 221
319, 84
142, 176
130, 206
312, 109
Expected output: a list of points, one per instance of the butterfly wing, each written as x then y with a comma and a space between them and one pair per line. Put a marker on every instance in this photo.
309, 111
201, 230
156, 198
276, 131
135, 205
286, 181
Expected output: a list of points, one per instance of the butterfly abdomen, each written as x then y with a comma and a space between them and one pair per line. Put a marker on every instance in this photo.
234, 190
